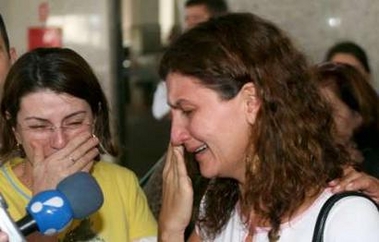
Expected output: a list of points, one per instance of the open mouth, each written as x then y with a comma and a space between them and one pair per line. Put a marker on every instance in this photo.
200, 149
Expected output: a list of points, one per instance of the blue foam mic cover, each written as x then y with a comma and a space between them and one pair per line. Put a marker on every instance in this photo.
83, 192
50, 210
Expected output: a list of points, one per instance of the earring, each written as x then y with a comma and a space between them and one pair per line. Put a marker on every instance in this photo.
20, 150
252, 163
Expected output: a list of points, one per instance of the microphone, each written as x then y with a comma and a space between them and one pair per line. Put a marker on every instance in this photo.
83, 193
76, 197
48, 212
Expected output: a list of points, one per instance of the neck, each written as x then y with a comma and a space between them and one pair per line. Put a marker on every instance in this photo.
257, 221
24, 173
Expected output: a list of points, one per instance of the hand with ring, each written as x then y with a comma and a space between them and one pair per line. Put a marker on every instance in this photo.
77, 155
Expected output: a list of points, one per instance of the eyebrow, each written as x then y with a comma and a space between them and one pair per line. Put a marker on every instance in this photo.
46, 120
177, 104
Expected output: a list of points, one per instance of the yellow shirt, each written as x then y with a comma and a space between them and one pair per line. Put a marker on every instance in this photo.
124, 215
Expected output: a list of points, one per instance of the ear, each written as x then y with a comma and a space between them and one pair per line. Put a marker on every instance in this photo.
251, 101
13, 54
93, 125
17, 135
14, 130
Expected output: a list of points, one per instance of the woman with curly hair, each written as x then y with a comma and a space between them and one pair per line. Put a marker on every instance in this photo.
244, 104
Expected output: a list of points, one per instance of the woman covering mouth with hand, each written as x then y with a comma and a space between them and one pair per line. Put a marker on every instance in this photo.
245, 104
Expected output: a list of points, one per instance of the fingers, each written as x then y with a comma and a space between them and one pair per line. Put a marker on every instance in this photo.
38, 155
77, 155
85, 152
175, 168
347, 171
345, 183
178, 152
177, 194
85, 162
168, 163
87, 167
357, 181
80, 145
3, 237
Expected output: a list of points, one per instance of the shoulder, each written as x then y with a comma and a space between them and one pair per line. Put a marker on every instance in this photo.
353, 218
111, 172
354, 206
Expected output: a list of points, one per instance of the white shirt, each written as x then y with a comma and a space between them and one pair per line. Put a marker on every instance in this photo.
352, 219
160, 107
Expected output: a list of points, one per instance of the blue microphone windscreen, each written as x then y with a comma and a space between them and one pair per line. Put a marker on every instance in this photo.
83, 192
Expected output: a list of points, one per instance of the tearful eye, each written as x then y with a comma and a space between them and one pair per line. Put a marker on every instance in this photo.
39, 127
187, 112
74, 123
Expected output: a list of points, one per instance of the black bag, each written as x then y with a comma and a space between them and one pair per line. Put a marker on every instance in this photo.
321, 219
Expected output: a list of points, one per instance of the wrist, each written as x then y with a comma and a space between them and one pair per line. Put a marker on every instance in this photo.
170, 236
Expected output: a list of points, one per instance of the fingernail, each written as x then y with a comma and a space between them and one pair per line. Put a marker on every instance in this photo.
336, 189
350, 186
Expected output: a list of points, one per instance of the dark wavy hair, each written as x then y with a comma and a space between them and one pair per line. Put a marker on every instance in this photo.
292, 155
215, 7
60, 70
351, 87
351, 48
4, 34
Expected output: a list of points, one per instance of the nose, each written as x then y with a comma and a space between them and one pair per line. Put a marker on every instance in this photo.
58, 139
179, 131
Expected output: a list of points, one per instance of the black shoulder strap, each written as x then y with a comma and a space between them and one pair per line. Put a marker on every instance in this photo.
321, 219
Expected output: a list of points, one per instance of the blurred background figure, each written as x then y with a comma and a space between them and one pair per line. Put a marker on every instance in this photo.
355, 108
195, 12
198, 11
7, 57
7, 53
350, 53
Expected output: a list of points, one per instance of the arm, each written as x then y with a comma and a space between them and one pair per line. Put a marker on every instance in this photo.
354, 180
352, 219
177, 198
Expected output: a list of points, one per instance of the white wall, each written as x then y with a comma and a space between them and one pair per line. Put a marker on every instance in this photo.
85, 26
307, 21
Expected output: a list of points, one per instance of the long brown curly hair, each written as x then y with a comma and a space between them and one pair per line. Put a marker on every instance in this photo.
292, 153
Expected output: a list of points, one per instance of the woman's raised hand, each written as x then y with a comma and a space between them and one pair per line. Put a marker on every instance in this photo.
177, 197
78, 155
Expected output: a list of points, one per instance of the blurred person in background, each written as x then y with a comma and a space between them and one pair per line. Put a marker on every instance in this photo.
355, 108
195, 12
7, 57
198, 11
350, 53
7, 53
